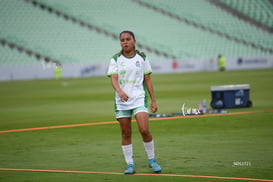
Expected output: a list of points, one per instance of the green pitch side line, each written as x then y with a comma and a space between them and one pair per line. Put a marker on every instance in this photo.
138, 174
115, 122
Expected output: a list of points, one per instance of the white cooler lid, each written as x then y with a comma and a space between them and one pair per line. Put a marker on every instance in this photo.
229, 87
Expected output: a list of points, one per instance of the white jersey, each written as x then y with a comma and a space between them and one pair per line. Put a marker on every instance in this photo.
131, 73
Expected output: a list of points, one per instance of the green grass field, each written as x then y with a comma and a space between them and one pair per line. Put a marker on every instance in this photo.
227, 146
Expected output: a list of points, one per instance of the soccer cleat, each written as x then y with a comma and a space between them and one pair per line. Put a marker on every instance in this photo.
153, 164
130, 169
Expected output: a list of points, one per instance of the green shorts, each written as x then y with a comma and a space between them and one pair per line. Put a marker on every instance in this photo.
129, 113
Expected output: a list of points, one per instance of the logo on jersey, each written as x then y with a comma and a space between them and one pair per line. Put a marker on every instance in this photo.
122, 64
122, 72
137, 64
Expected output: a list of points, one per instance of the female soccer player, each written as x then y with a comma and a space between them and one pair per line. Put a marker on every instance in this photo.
130, 74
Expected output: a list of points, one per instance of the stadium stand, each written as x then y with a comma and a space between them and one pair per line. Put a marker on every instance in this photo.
209, 18
260, 11
51, 35
12, 55
87, 31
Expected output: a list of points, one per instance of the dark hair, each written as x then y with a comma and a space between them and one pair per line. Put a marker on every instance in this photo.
129, 32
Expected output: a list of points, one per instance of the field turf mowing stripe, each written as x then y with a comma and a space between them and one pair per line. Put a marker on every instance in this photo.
115, 122
138, 174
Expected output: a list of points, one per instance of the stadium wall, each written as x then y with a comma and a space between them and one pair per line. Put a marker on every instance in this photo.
45, 70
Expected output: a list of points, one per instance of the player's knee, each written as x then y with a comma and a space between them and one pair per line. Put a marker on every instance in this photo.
145, 133
126, 134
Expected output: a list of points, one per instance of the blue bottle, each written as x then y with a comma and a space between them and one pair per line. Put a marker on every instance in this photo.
204, 103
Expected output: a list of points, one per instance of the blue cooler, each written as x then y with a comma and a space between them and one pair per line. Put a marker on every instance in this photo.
230, 96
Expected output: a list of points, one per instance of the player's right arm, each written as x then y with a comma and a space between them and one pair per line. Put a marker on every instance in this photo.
114, 79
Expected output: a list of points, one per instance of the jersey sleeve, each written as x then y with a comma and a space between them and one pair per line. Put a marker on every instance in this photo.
113, 68
147, 67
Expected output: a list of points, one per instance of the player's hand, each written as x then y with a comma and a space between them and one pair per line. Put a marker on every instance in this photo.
123, 96
153, 107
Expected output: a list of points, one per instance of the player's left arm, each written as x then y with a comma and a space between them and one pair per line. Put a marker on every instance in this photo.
149, 86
